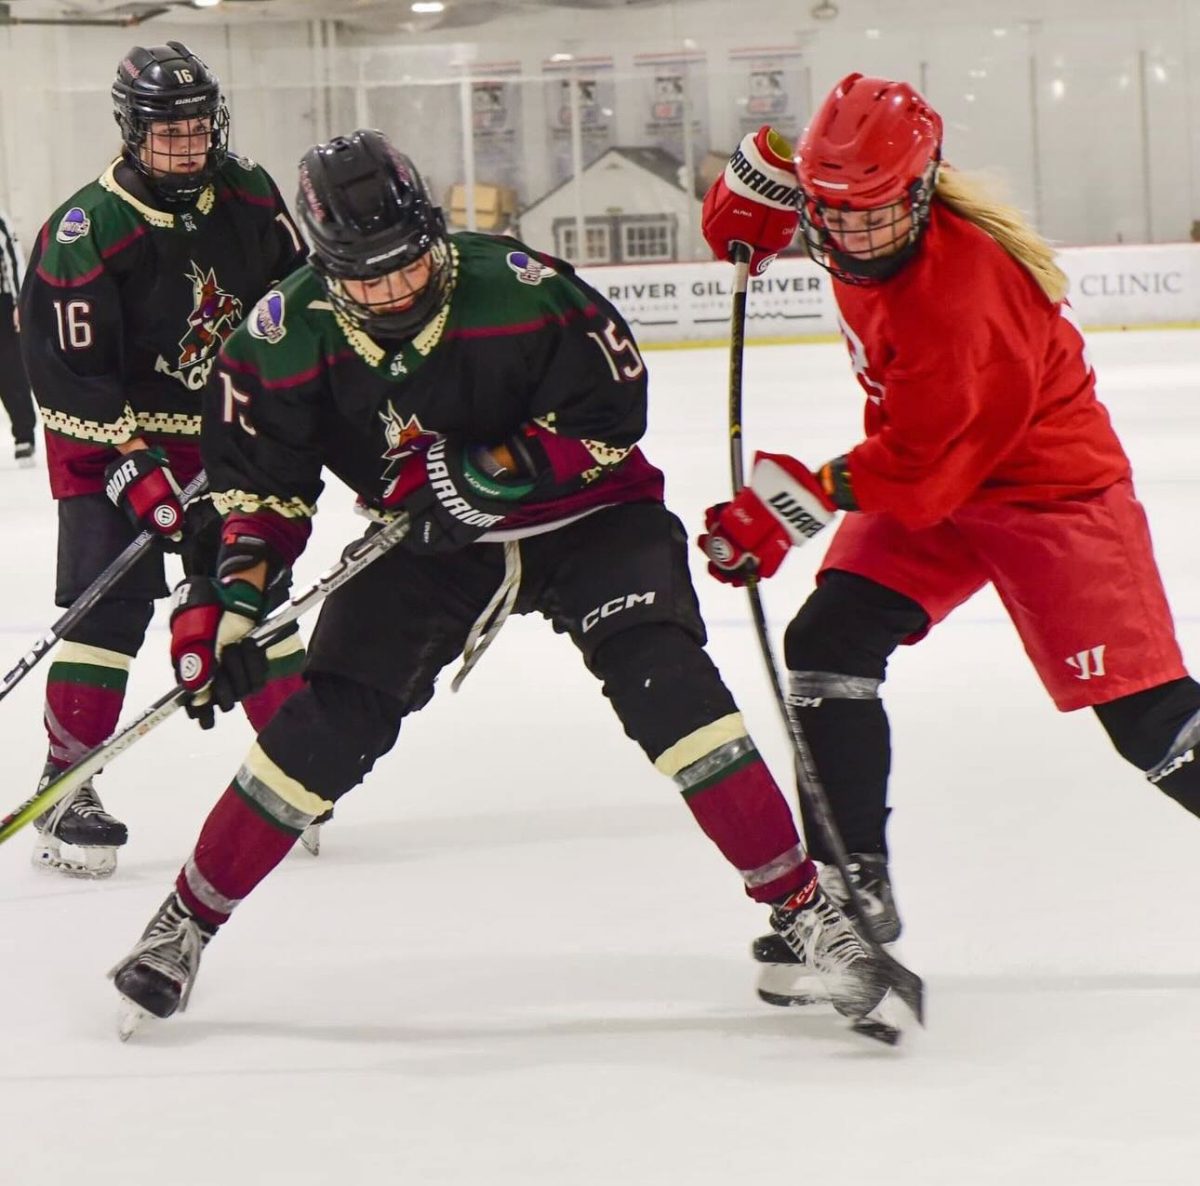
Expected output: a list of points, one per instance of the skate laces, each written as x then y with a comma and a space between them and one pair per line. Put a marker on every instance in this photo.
83, 800
824, 936
172, 947
87, 803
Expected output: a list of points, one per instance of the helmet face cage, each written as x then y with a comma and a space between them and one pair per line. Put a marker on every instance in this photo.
377, 314
368, 217
165, 89
884, 238
867, 166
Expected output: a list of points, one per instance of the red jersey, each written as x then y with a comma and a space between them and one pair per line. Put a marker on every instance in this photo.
978, 387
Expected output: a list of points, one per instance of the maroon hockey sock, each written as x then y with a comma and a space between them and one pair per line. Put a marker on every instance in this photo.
84, 693
238, 846
743, 812
261, 706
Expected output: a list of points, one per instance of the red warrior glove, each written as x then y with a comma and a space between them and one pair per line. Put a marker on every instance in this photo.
754, 201
783, 505
143, 484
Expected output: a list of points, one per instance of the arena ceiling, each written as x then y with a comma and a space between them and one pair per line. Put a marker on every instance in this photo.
370, 14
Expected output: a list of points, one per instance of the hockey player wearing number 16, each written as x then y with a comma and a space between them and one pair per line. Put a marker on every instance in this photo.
987, 457
134, 283
488, 393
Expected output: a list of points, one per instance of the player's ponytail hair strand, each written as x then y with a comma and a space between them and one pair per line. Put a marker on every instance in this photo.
971, 197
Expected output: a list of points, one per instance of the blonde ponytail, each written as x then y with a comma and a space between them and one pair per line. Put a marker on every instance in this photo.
970, 196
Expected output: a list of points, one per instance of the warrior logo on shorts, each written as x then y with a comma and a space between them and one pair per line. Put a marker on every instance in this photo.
528, 269
73, 225
404, 438
214, 316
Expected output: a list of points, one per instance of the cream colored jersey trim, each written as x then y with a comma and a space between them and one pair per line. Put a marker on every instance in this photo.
158, 218
228, 501
117, 433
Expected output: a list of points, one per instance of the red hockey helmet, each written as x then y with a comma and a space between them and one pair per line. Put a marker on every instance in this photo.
873, 145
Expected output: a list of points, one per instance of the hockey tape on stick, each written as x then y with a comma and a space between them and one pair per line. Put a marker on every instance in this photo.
86, 601
353, 560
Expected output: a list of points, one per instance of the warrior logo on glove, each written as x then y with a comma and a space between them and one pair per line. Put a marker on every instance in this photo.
784, 505
754, 203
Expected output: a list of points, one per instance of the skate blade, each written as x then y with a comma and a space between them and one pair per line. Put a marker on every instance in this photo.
788, 986
884, 1023
793, 984
131, 1017
95, 863
311, 839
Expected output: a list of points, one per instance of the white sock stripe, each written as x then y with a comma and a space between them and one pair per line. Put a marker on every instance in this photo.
203, 889
285, 646
793, 858
699, 744
277, 793
81, 652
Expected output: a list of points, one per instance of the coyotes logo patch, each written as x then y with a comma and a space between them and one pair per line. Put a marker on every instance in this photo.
405, 436
215, 315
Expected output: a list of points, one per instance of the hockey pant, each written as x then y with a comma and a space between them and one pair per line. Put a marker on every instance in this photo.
383, 638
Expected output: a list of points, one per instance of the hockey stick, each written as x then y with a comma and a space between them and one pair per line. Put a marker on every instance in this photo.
354, 559
908, 985
84, 603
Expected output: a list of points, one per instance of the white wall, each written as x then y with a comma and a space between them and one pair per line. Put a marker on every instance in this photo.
1091, 112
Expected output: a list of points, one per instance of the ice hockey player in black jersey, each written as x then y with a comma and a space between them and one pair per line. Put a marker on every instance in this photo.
134, 283
483, 389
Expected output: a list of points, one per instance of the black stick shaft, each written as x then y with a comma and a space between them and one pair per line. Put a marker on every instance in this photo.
355, 558
86, 601
908, 985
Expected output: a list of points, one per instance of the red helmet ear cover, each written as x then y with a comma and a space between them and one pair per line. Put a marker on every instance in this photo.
868, 143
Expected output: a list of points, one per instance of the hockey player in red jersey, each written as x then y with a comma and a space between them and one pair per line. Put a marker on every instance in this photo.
134, 283
986, 458
487, 392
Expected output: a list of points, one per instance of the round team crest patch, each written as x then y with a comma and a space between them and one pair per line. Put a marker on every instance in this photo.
74, 225
266, 318
528, 269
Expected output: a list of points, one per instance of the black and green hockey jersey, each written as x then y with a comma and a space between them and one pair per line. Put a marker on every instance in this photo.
522, 346
125, 306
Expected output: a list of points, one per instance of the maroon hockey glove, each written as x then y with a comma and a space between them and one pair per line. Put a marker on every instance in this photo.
209, 621
142, 483
784, 505
450, 499
754, 200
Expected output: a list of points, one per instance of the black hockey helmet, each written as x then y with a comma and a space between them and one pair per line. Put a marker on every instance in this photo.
169, 83
367, 214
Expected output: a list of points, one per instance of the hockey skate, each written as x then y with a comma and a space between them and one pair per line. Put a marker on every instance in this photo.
155, 979
80, 821
784, 978
853, 980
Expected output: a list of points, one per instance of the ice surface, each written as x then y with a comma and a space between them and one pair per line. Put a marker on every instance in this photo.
518, 961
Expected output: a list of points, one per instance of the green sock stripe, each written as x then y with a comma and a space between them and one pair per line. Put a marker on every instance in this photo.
290, 664
90, 674
723, 773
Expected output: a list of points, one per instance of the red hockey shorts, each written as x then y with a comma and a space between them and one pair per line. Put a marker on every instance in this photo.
1077, 577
